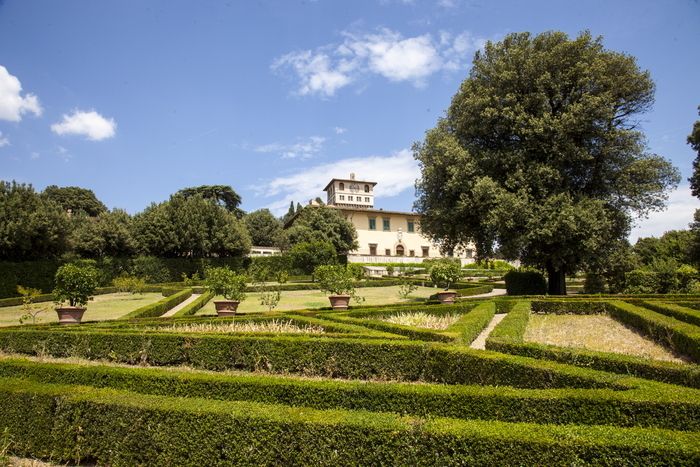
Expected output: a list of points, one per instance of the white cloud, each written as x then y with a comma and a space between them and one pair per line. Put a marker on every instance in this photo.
303, 149
3, 140
340, 130
325, 70
393, 174
12, 103
681, 207
89, 124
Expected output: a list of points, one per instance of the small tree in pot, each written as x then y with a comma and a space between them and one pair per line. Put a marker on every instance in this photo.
74, 284
223, 281
444, 274
340, 283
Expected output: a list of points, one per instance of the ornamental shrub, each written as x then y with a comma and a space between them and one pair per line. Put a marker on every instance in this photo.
445, 273
335, 280
75, 284
223, 281
525, 282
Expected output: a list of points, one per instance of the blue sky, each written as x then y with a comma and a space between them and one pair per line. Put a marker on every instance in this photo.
137, 99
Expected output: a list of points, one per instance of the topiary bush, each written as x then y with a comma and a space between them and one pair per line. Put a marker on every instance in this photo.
525, 282
75, 284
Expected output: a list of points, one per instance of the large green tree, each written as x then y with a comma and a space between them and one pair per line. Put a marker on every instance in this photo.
31, 227
75, 198
264, 228
539, 155
109, 234
323, 224
222, 195
674, 245
694, 141
190, 227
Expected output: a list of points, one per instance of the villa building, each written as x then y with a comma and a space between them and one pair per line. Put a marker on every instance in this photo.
383, 236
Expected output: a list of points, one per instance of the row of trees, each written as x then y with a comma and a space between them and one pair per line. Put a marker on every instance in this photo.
199, 222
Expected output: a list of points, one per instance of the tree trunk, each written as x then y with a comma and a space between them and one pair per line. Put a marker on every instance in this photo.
556, 280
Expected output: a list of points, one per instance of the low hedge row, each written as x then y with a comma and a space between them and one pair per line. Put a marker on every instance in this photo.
110, 427
331, 357
569, 307
644, 405
470, 325
161, 306
507, 337
194, 306
679, 336
674, 310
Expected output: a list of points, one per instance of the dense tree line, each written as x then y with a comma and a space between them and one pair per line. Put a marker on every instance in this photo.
199, 222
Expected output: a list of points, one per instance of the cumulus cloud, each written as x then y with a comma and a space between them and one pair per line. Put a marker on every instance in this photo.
325, 70
681, 207
393, 174
90, 124
302, 149
340, 130
12, 103
3, 140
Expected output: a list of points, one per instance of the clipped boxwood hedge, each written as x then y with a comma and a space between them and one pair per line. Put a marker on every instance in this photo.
525, 283
644, 404
569, 307
674, 310
507, 337
332, 357
111, 427
161, 306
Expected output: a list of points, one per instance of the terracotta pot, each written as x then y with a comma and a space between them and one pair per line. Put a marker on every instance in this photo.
446, 297
339, 302
70, 314
226, 307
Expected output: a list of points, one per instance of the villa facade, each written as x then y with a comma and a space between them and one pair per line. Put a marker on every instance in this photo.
383, 236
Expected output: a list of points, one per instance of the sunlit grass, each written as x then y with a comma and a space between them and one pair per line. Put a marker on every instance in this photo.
423, 320
593, 332
271, 326
102, 307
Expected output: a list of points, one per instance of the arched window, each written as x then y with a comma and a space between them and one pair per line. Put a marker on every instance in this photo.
399, 250
366, 188
341, 186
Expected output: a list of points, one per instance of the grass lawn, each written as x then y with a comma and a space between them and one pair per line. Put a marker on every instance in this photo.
593, 332
103, 307
301, 299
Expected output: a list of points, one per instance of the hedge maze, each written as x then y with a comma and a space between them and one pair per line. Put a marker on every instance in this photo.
356, 387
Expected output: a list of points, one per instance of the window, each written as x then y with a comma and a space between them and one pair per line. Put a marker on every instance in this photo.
342, 197
387, 252
366, 188
372, 223
373, 249
411, 226
366, 199
349, 198
411, 252
399, 250
341, 186
386, 224
426, 251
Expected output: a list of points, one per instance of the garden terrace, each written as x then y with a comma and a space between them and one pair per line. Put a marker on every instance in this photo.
354, 388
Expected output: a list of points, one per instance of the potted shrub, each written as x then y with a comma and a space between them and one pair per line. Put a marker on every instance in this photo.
74, 284
446, 273
339, 282
223, 281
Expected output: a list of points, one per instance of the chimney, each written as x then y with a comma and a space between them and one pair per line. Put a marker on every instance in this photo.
352, 175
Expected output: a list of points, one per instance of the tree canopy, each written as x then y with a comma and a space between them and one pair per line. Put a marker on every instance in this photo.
190, 227
264, 228
222, 195
109, 234
31, 226
539, 155
324, 224
76, 199
694, 142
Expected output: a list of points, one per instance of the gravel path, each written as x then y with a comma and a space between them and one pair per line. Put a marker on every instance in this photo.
180, 306
493, 293
480, 341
